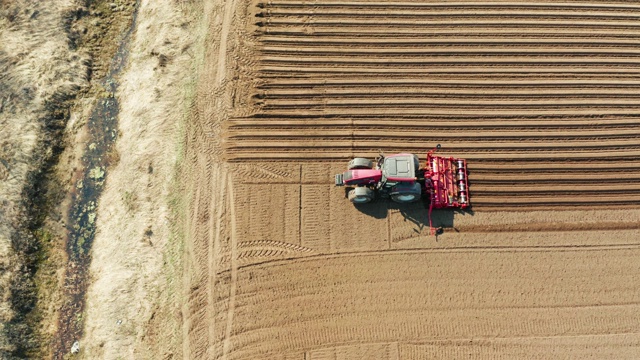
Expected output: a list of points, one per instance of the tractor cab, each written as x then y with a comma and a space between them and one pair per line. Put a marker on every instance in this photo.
400, 173
399, 168
395, 176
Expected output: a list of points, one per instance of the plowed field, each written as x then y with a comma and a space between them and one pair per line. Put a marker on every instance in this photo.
542, 98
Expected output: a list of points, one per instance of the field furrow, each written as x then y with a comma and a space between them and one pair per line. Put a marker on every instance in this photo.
501, 83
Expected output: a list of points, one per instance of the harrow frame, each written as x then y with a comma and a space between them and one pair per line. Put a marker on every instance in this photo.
446, 182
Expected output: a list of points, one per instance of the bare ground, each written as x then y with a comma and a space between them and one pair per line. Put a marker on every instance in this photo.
221, 235
280, 265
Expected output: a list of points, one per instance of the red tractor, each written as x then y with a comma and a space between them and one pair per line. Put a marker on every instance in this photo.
400, 177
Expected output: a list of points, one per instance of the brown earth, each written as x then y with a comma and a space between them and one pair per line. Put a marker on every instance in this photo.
220, 234
542, 98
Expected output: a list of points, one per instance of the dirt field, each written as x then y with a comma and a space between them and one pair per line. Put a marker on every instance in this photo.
220, 234
540, 97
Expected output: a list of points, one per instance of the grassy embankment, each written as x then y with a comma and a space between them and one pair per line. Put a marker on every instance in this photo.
51, 55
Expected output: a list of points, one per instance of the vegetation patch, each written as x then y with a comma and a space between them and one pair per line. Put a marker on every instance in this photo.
53, 52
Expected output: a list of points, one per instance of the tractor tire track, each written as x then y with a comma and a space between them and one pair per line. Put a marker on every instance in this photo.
227, 343
332, 307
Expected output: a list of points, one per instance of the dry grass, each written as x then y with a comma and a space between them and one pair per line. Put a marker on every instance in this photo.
44, 63
39, 73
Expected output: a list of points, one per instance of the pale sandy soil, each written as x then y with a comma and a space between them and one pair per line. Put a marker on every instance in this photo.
134, 250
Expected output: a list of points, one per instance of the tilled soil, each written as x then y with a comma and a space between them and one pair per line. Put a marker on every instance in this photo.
542, 98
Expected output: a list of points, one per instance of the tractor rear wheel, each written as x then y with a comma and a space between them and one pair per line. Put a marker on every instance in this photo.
361, 195
360, 163
406, 193
405, 198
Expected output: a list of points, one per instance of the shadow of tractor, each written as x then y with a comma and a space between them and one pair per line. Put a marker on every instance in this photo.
416, 213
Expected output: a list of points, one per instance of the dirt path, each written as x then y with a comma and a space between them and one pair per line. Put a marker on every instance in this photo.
208, 191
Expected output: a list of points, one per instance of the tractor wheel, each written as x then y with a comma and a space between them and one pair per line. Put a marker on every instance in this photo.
361, 195
406, 193
405, 198
360, 163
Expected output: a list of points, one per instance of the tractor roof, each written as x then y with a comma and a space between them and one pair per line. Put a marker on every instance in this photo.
401, 167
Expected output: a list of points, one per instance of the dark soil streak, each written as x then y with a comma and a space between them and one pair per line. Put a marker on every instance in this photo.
97, 158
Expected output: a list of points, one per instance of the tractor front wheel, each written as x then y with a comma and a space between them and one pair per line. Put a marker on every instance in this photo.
361, 195
360, 163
